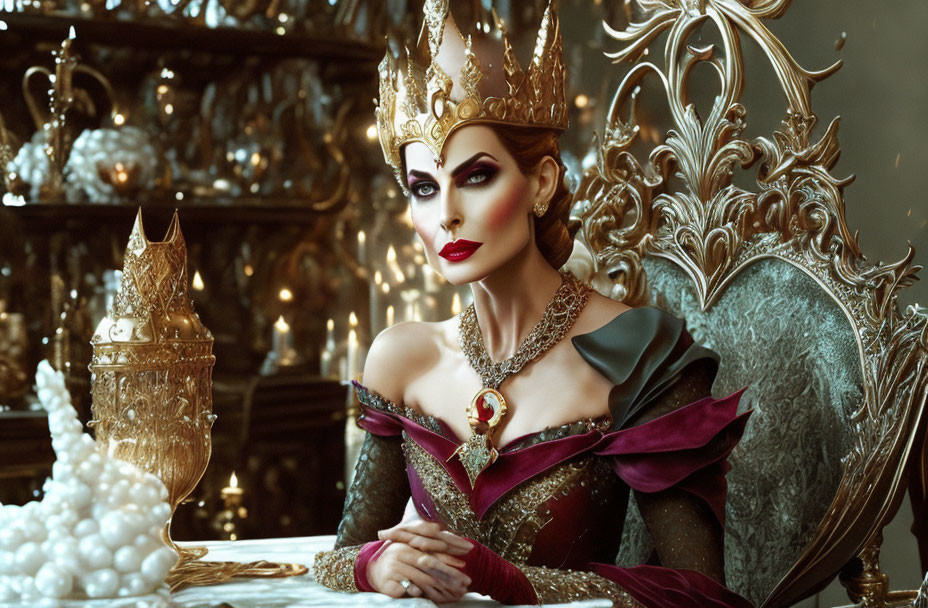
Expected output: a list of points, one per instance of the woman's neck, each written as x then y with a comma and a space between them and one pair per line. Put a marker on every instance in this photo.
511, 301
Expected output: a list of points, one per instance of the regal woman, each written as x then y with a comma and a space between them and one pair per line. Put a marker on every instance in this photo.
502, 444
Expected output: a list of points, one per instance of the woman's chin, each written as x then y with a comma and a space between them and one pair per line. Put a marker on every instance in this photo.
462, 273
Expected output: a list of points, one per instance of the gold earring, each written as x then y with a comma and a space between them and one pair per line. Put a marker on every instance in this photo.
540, 209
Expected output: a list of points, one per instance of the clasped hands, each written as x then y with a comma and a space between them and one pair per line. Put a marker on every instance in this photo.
424, 555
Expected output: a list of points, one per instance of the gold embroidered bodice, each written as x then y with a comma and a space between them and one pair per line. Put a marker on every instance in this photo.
550, 525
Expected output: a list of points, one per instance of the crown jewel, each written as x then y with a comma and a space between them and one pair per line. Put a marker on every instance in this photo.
458, 81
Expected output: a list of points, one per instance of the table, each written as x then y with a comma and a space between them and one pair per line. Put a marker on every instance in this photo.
297, 592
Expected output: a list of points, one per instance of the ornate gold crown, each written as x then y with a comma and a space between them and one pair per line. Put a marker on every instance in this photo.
421, 102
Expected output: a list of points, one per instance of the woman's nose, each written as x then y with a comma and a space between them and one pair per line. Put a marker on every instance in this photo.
450, 212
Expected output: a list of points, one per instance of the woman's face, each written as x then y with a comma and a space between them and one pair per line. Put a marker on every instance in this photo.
473, 212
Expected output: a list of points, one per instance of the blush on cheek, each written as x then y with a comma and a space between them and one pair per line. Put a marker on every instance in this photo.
507, 206
424, 230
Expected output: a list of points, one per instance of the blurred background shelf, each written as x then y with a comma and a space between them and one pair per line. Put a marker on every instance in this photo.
224, 211
169, 34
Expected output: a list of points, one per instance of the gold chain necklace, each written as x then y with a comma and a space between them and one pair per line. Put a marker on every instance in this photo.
488, 406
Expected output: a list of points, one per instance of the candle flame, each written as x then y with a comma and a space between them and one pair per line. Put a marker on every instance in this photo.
353, 320
391, 255
281, 325
386, 288
352, 338
198, 281
389, 315
72, 34
330, 325
286, 295
362, 238
233, 480
378, 278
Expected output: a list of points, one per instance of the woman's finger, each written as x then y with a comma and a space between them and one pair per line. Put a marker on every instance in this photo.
424, 580
392, 588
444, 571
443, 574
425, 543
452, 561
431, 529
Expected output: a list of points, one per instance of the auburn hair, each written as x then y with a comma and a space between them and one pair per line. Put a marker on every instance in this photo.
553, 234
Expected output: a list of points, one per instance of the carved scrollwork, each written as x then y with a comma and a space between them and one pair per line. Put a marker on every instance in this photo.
681, 204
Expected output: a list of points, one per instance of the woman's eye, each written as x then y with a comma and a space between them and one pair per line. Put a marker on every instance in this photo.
424, 189
478, 176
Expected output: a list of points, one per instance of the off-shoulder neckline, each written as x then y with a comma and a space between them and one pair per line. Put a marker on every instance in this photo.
598, 423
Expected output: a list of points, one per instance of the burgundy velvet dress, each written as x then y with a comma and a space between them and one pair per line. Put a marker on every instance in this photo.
554, 502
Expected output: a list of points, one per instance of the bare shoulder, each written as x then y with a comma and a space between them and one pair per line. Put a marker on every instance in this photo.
399, 354
599, 311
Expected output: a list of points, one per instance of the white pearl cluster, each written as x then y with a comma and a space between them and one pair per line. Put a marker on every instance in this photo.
31, 163
104, 147
97, 531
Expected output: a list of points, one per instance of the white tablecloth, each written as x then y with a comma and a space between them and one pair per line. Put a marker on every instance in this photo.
295, 591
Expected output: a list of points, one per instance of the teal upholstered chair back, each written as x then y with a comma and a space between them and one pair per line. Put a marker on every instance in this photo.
773, 280
781, 335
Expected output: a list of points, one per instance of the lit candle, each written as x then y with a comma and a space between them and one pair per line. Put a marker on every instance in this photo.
362, 248
373, 290
391, 263
281, 336
325, 359
410, 298
429, 279
285, 295
330, 335
390, 314
352, 354
198, 281
232, 489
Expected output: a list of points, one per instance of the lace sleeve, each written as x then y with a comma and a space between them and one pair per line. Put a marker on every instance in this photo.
335, 569
378, 494
684, 529
558, 586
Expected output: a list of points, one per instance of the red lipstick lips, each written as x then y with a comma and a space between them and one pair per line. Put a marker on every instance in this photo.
459, 250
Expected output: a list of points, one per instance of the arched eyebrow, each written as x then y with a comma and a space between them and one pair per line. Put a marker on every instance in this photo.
470, 161
457, 170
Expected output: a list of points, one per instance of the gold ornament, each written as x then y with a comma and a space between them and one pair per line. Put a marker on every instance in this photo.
426, 102
152, 369
487, 408
151, 384
540, 209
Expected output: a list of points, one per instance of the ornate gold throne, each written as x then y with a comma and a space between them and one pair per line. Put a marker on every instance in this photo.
772, 279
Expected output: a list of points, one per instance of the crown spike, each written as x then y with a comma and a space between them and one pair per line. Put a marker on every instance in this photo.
436, 15
548, 34
468, 80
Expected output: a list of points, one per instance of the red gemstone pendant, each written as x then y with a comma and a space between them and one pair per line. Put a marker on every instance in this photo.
487, 406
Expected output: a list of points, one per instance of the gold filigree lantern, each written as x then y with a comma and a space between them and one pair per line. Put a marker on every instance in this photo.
151, 371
